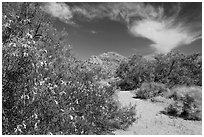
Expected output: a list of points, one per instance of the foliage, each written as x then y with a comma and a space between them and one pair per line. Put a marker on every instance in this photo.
45, 89
104, 65
150, 90
111, 62
134, 72
176, 68
171, 69
95, 65
187, 102
193, 63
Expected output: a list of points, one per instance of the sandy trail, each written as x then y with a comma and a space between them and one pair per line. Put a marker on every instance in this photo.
152, 122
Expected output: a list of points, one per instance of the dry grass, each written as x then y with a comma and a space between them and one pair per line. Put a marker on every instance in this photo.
187, 103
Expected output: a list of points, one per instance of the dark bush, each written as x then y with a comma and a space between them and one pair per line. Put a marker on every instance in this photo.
176, 68
150, 90
134, 72
187, 103
172, 69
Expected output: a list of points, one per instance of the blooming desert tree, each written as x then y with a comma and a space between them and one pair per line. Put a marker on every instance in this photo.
44, 88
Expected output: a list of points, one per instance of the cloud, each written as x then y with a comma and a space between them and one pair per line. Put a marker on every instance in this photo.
94, 32
165, 39
163, 25
59, 10
164, 31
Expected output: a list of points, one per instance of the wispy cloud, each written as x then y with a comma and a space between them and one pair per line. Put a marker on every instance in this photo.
163, 27
164, 31
59, 10
164, 38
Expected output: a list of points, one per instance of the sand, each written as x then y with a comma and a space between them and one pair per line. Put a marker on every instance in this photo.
152, 122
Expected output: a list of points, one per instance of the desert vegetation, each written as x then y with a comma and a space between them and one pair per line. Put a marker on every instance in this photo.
172, 69
151, 90
163, 76
187, 104
46, 89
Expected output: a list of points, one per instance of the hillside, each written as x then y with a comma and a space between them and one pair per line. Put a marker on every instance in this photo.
108, 62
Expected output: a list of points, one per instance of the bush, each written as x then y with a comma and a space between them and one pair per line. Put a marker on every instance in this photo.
187, 103
150, 90
176, 68
173, 69
134, 72
44, 89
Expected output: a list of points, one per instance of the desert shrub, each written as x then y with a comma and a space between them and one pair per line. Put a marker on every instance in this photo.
134, 72
126, 117
173, 69
187, 103
44, 89
176, 68
150, 90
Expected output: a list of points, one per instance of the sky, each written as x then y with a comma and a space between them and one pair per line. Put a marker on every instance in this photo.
129, 28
